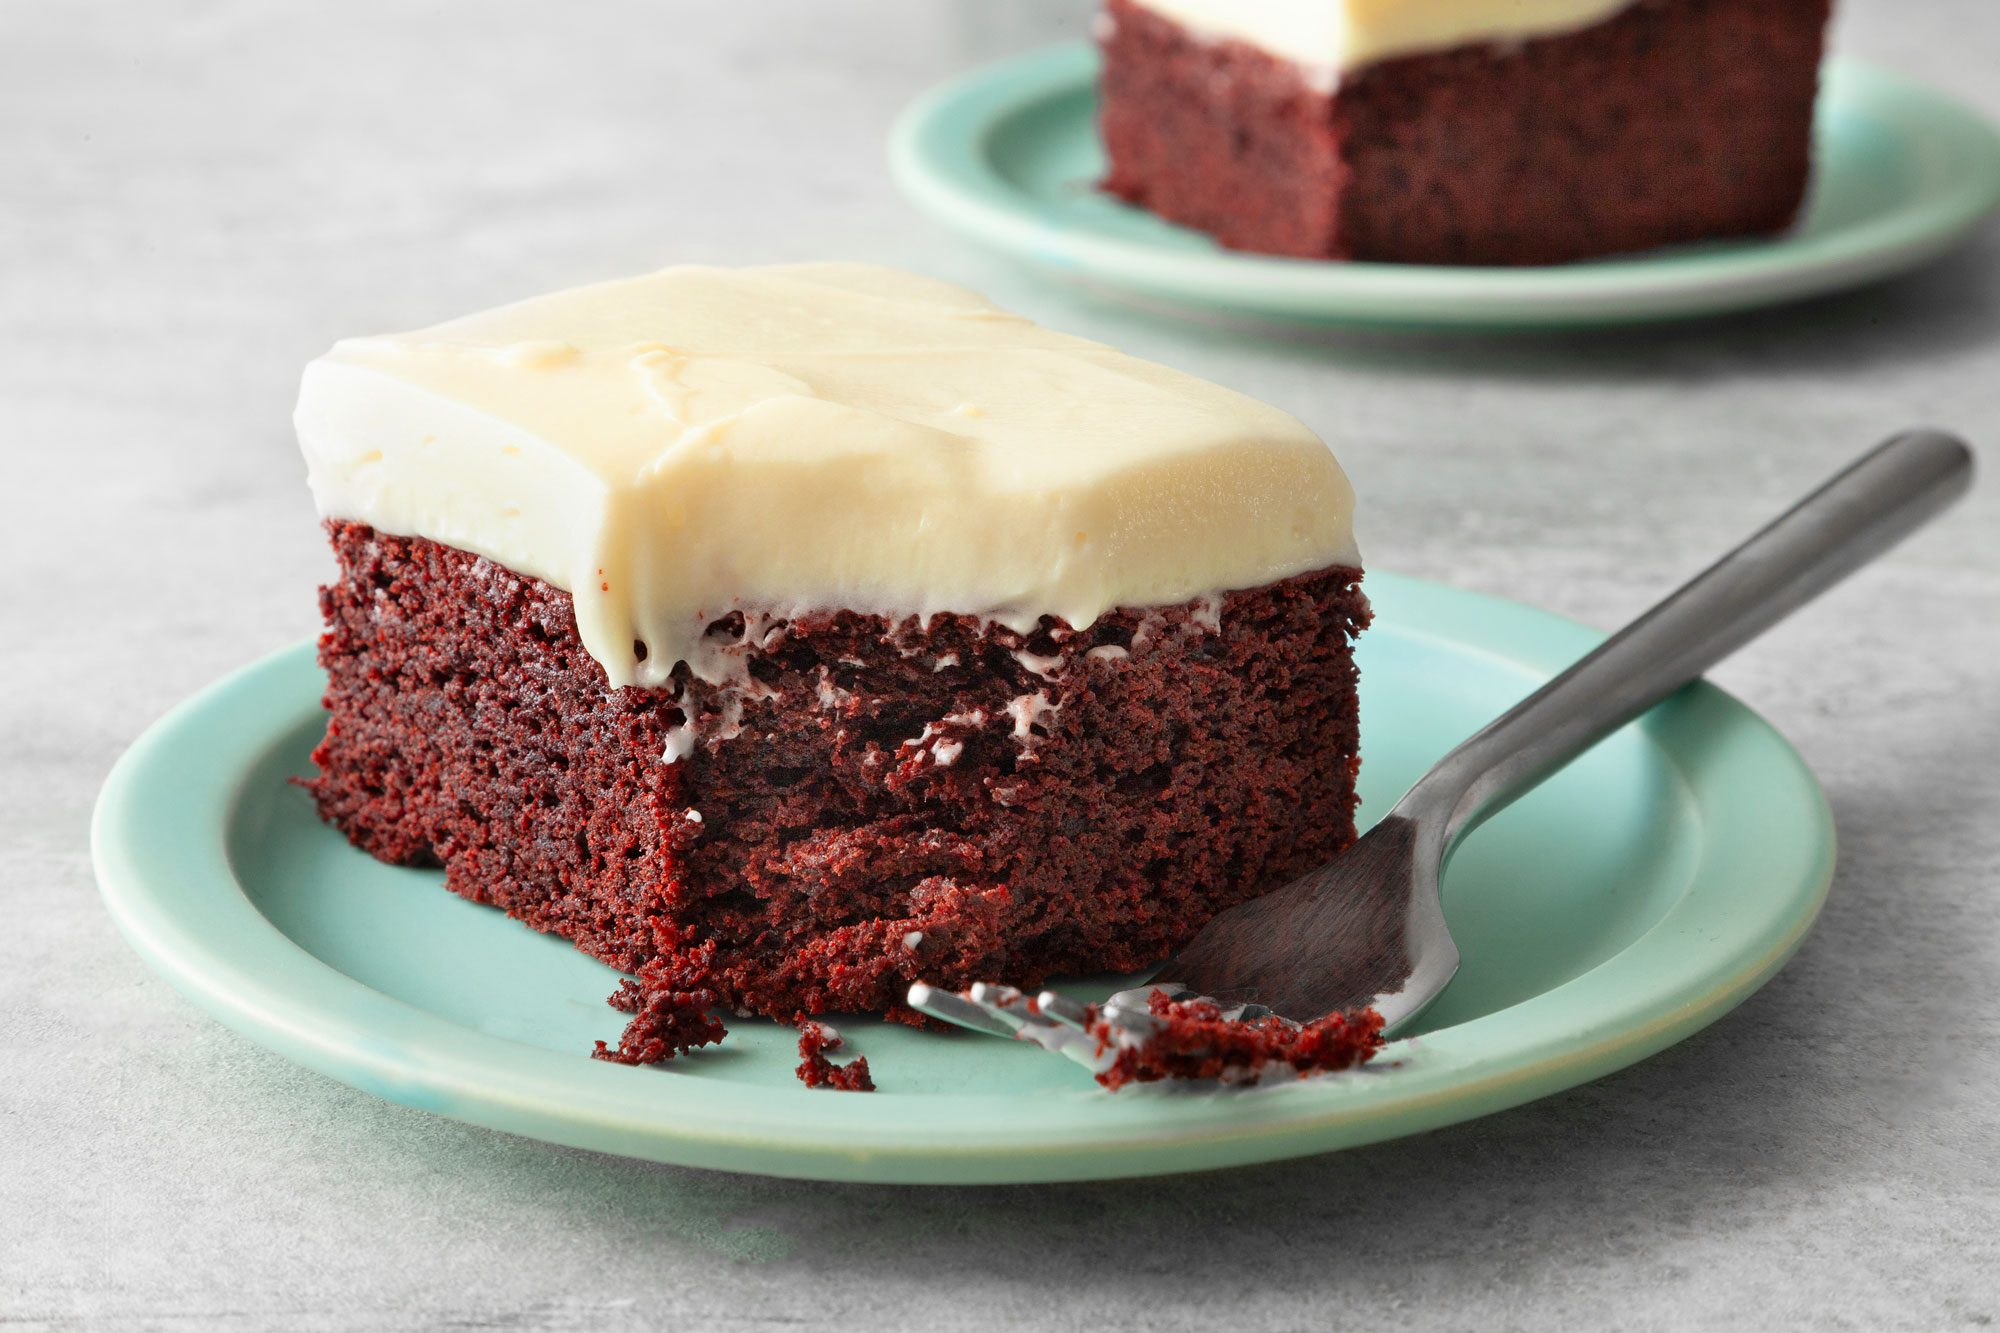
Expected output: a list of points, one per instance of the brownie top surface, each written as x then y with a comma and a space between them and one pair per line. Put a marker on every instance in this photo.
672, 447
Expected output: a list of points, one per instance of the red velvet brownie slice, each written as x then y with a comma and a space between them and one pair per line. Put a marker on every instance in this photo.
785, 636
1461, 131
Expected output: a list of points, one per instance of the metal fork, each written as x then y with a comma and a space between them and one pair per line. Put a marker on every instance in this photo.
1368, 927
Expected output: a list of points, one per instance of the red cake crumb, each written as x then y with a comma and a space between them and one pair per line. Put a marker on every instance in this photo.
669, 1004
665, 1023
816, 1071
1194, 1041
1671, 121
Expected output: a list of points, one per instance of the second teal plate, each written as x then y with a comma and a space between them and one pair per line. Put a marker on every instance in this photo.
1008, 155
1626, 903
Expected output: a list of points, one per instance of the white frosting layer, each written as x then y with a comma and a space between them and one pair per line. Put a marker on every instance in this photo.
1340, 35
672, 447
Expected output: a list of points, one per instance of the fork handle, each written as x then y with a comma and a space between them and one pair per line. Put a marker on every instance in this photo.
1882, 497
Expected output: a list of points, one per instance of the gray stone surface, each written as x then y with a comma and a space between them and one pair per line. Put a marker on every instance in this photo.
196, 198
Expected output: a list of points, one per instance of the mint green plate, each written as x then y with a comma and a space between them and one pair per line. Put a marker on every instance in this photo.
1628, 902
1008, 155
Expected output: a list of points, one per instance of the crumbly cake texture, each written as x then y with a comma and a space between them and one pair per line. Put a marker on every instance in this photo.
816, 1071
1671, 121
1195, 1041
872, 803
671, 1008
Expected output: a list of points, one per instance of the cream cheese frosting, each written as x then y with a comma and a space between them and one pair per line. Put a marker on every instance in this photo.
1336, 36
673, 447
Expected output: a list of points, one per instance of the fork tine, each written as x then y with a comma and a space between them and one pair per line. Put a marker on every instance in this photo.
954, 1008
1132, 1010
989, 992
1134, 1003
1068, 1012
1006, 1012
1006, 1004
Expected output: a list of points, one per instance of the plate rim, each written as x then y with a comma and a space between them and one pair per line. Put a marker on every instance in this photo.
189, 919
934, 160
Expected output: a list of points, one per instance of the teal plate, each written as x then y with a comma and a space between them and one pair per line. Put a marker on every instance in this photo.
1629, 901
1008, 155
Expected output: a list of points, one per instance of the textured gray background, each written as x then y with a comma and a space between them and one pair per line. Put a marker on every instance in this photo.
197, 198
